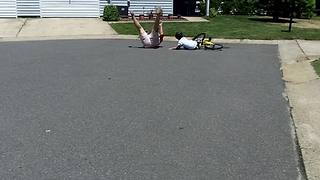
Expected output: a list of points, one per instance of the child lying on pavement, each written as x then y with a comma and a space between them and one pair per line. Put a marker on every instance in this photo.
184, 43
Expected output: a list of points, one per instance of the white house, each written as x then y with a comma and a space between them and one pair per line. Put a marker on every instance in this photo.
88, 8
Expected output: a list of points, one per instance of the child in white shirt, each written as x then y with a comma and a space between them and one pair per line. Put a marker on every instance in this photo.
184, 43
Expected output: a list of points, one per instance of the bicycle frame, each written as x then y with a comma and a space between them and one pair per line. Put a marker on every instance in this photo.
206, 42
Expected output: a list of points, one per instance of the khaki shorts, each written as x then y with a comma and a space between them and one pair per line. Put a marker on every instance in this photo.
150, 40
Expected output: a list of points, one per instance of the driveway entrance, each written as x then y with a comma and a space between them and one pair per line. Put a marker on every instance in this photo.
97, 109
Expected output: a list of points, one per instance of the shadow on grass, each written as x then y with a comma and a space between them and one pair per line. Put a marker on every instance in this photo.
286, 31
265, 19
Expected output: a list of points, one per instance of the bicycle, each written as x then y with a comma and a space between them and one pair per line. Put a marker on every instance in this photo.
206, 42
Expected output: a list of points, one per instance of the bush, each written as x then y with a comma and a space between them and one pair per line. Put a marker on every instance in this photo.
244, 7
305, 8
213, 12
226, 6
203, 8
111, 13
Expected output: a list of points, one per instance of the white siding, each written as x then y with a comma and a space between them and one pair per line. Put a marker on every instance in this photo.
69, 8
28, 8
119, 2
145, 6
113, 2
8, 8
101, 6
142, 6
76, 8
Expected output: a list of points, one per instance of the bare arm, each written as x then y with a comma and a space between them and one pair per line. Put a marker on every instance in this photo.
176, 47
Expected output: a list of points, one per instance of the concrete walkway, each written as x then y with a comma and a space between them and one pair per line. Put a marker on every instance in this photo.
54, 27
60, 27
10, 27
302, 89
195, 19
302, 84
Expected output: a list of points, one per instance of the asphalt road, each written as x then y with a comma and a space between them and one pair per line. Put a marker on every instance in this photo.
97, 109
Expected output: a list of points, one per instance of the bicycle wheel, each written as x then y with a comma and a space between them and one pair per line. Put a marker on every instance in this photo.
217, 46
200, 37
214, 46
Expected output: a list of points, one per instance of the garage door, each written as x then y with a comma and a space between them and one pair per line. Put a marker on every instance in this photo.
8, 8
28, 8
69, 8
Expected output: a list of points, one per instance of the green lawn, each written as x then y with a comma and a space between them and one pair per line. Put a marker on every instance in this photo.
316, 65
230, 27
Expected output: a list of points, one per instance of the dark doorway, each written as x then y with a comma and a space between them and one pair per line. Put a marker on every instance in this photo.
184, 7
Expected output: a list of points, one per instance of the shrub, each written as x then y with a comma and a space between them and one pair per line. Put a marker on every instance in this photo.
202, 8
226, 6
241, 7
244, 7
213, 12
111, 13
305, 8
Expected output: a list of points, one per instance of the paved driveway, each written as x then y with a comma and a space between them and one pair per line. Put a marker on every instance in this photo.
97, 109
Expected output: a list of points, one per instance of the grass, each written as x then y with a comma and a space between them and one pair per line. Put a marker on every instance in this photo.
230, 27
316, 66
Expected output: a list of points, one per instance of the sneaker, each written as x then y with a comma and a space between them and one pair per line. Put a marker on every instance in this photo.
159, 11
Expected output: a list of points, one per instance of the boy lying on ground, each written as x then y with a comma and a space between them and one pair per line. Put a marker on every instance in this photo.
184, 43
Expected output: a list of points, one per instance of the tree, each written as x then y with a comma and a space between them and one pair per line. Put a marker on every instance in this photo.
275, 8
237, 7
281, 8
305, 8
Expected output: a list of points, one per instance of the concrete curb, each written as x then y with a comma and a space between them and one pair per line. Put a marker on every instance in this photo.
167, 38
45, 38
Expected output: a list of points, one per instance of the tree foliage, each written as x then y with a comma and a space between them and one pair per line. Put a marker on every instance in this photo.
283, 8
275, 8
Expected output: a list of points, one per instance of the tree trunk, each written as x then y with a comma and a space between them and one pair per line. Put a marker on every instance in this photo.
276, 9
275, 17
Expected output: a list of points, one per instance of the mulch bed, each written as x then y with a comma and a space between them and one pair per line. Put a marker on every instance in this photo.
145, 18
